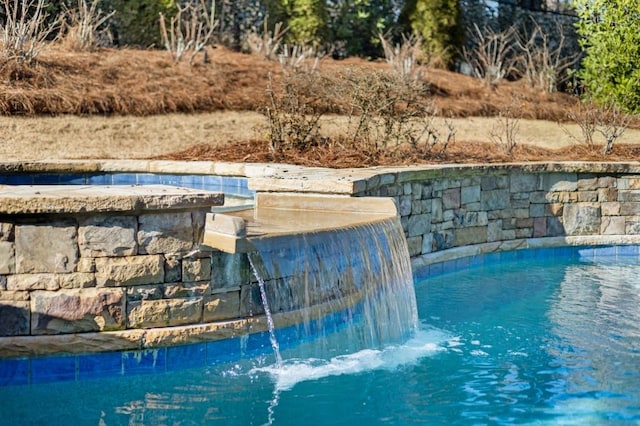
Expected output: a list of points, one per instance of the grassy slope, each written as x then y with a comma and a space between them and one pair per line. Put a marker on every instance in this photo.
122, 104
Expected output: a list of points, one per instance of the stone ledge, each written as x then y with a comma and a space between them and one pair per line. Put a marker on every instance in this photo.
47, 199
423, 261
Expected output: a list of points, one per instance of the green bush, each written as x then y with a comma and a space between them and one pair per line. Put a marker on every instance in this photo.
137, 22
610, 38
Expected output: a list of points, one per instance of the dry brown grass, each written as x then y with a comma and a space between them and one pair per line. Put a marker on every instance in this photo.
349, 157
126, 103
147, 82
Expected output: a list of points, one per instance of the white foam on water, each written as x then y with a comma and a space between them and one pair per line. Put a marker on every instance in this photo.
293, 371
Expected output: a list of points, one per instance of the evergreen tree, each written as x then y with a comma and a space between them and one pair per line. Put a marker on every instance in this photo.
306, 19
610, 37
357, 24
137, 22
439, 23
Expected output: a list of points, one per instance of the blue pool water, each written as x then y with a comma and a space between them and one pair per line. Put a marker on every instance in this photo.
531, 338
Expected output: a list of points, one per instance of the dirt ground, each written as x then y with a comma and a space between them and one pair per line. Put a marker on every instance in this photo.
138, 104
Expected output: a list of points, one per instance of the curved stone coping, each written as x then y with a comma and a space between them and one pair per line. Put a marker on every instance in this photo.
144, 166
421, 265
42, 199
154, 338
290, 178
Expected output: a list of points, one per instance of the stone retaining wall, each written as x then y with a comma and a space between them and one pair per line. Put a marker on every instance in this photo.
444, 213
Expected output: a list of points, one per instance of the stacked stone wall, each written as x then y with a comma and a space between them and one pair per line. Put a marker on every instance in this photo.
440, 213
105, 272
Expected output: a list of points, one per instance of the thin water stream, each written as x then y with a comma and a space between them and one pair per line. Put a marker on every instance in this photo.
267, 313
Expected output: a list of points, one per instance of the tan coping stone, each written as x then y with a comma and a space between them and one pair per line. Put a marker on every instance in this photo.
50, 166
225, 243
133, 166
225, 224
40, 199
182, 167
322, 202
304, 184
229, 169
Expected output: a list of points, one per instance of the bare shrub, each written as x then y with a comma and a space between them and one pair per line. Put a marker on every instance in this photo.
403, 57
586, 117
85, 25
25, 29
506, 127
293, 111
384, 113
491, 55
611, 124
542, 57
608, 120
387, 111
190, 30
268, 43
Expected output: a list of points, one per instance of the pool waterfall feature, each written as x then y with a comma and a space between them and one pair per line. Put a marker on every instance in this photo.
317, 256
448, 215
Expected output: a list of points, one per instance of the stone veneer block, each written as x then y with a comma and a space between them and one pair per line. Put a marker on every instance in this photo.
16, 296
29, 282
495, 200
222, 306
165, 233
472, 235
196, 269
610, 208
415, 245
539, 227
164, 312
187, 289
523, 182
629, 183
470, 194
581, 218
613, 225
77, 280
102, 235
172, 269
6, 231
229, 270
418, 224
134, 270
451, 198
51, 247
77, 311
7, 258
560, 182
15, 317
632, 227
629, 209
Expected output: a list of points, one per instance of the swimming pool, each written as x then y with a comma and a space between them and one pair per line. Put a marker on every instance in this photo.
534, 336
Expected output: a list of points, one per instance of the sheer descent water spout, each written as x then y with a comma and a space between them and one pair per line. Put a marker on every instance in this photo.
332, 263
